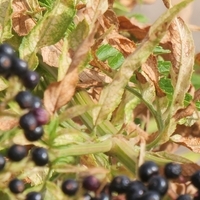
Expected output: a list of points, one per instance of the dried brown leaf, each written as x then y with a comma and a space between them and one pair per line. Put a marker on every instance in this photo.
126, 25
151, 70
22, 22
7, 123
51, 54
192, 143
197, 59
60, 93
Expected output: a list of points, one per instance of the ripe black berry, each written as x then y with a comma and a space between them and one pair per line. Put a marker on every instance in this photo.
7, 49
33, 196
70, 187
17, 152
2, 162
147, 170
19, 66
36, 102
195, 179
30, 79
158, 184
24, 99
40, 156
5, 64
184, 197
41, 116
150, 195
172, 170
91, 183
135, 189
119, 184
16, 186
34, 135
28, 121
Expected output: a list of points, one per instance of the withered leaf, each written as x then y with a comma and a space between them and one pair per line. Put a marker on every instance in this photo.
22, 22
126, 25
151, 70
197, 59
192, 143
8, 122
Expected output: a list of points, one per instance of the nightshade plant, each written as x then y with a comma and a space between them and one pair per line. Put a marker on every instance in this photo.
88, 94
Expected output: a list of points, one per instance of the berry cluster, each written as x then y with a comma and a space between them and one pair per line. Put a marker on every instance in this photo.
31, 122
151, 186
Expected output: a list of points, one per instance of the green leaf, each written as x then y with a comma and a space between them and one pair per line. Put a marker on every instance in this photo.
188, 99
140, 18
46, 3
49, 30
166, 85
164, 67
108, 53
159, 50
5, 20
195, 80
112, 94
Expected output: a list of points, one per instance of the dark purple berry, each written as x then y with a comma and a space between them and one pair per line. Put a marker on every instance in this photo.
197, 195
135, 189
70, 187
28, 121
17, 152
34, 135
19, 66
2, 162
195, 179
172, 170
24, 99
36, 102
5, 64
158, 184
150, 195
40, 156
147, 170
91, 183
16, 186
41, 116
30, 79
33, 196
7, 49
184, 197
119, 184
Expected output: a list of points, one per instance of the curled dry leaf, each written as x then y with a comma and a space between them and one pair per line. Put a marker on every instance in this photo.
151, 70
197, 59
126, 25
22, 22
192, 143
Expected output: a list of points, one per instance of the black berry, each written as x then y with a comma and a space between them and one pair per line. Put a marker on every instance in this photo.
158, 184
135, 189
30, 79
195, 179
36, 102
40, 156
172, 170
147, 170
16, 186
5, 64
7, 49
19, 66
2, 162
34, 135
70, 187
17, 152
150, 195
184, 197
119, 184
24, 99
28, 121
91, 183
41, 116
33, 196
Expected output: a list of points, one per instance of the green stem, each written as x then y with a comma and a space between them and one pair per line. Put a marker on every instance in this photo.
156, 115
